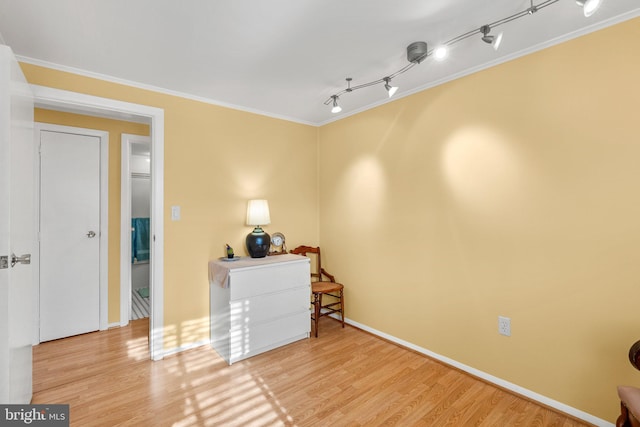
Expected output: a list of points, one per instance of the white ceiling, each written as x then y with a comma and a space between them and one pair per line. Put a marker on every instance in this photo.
283, 58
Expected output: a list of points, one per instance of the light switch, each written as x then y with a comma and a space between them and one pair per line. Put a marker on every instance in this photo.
175, 213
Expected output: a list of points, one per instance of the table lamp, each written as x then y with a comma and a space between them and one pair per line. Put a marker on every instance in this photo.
258, 242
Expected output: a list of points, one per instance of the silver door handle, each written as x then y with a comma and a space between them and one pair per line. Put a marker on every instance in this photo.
91, 234
24, 259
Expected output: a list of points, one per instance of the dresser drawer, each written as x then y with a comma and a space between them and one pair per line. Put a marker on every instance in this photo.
248, 283
246, 342
266, 307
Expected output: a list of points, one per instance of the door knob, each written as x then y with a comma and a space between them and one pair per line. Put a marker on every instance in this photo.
91, 234
24, 259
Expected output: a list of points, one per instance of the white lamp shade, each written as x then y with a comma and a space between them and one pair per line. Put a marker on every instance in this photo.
258, 213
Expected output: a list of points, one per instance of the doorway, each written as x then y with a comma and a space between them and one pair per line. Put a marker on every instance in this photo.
135, 205
72, 213
61, 100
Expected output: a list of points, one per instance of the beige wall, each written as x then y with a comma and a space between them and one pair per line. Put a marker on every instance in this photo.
215, 160
514, 191
115, 128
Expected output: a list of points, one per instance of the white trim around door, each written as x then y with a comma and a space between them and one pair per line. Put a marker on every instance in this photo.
61, 100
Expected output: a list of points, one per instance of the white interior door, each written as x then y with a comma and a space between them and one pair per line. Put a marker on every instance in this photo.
69, 234
17, 231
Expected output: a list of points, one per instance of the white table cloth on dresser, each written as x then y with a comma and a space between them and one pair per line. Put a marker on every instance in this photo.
258, 304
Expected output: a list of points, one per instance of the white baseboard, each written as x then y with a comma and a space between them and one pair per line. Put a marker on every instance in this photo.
185, 347
486, 377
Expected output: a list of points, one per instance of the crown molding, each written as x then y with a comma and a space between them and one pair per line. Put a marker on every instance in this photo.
524, 52
558, 40
144, 86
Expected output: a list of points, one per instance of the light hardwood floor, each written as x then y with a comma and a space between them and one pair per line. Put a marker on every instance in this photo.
346, 377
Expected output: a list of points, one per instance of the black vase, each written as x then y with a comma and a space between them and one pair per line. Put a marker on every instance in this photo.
258, 243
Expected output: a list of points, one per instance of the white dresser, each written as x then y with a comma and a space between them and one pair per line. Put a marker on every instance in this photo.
258, 304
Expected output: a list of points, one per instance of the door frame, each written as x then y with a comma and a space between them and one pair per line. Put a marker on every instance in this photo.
103, 136
125, 223
62, 100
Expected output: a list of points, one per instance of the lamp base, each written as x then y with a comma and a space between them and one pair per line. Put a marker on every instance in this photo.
258, 243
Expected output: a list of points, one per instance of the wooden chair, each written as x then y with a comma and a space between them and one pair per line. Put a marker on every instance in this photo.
320, 287
630, 396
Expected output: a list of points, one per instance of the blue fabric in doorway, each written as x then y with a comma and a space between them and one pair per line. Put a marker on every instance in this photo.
139, 239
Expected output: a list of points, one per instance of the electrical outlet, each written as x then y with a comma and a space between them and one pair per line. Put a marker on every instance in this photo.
504, 326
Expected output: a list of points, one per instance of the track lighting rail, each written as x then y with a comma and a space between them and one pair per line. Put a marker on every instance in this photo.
373, 83
590, 6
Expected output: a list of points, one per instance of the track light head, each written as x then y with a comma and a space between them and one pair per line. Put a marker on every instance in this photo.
494, 41
336, 108
390, 89
485, 29
589, 6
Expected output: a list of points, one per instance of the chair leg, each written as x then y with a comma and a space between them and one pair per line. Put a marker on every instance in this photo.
623, 419
317, 303
342, 307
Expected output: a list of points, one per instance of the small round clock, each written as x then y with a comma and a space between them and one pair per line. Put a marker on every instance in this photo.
278, 244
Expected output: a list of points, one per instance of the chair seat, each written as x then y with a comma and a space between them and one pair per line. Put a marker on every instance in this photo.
630, 396
325, 287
